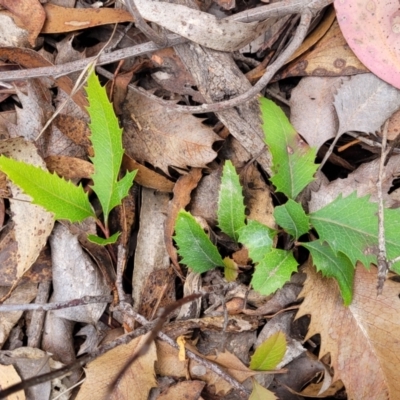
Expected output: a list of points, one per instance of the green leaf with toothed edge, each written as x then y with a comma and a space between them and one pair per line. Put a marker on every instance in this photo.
106, 137
194, 246
293, 160
64, 199
231, 215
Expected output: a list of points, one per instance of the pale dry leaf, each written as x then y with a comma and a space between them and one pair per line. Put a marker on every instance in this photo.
363, 339
311, 109
201, 27
165, 139
135, 384
9, 377
363, 180
364, 103
186, 390
33, 224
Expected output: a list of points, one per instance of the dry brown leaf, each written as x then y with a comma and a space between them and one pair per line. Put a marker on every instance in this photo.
146, 177
135, 383
182, 190
363, 339
69, 167
331, 56
163, 138
61, 19
28, 15
9, 377
187, 390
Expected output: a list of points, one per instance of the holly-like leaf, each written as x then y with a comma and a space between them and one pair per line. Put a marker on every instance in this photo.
230, 212
293, 159
260, 393
292, 218
273, 271
270, 353
53, 193
231, 269
106, 138
258, 239
350, 225
333, 265
195, 247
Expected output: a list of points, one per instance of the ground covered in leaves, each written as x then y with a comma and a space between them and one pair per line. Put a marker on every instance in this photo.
314, 180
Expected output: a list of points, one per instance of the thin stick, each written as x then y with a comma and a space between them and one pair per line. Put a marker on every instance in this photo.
383, 265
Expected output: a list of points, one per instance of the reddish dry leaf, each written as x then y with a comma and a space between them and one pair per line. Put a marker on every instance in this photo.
182, 189
331, 56
363, 339
146, 177
187, 390
135, 383
372, 29
165, 139
61, 19
27, 14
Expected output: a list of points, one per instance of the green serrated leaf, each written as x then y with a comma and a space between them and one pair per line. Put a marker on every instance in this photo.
293, 159
350, 225
106, 138
231, 269
292, 218
261, 393
258, 239
270, 353
55, 194
273, 271
332, 265
392, 227
231, 215
104, 242
194, 246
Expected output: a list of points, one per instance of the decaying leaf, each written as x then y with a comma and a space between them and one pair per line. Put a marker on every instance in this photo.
135, 384
8, 377
363, 339
165, 139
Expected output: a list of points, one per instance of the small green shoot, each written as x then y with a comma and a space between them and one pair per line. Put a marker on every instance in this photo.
347, 227
63, 198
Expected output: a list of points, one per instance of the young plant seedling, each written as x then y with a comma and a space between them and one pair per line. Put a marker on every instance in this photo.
66, 200
347, 228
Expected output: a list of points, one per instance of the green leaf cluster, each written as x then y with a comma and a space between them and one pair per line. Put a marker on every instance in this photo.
347, 228
66, 200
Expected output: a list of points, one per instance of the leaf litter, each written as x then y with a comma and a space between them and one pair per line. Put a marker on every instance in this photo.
184, 155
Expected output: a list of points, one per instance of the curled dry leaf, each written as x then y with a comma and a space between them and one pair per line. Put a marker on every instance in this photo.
61, 19
165, 139
372, 29
366, 333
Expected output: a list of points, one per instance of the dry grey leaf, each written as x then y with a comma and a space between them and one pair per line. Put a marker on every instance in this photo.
165, 139
311, 109
200, 27
364, 103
